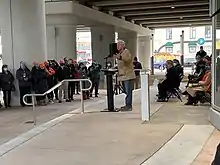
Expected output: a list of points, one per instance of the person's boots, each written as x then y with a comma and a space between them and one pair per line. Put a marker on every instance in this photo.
84, 96
190, 100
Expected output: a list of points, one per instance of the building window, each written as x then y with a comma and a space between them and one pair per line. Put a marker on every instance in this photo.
208, 32
192, 49
192, 33
169, 34
169, 49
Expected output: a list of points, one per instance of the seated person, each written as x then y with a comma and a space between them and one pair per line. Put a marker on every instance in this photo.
168, 83
199, 72
179, 71
201, 86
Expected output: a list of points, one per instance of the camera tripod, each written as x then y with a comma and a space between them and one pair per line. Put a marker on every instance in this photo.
118, 88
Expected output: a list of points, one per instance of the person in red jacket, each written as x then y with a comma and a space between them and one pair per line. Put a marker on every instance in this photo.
50, 80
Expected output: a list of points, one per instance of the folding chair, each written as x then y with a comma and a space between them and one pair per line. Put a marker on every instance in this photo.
174, 92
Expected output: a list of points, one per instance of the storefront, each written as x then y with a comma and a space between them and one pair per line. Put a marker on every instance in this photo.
215, 113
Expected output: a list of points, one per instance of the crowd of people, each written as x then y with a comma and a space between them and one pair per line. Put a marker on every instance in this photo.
43, 76
198, 83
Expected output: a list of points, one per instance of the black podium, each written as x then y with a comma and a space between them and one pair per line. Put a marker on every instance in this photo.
110, 92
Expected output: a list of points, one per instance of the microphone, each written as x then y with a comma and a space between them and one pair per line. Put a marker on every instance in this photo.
107, 57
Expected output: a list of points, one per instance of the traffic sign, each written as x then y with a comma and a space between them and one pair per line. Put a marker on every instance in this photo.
201, 41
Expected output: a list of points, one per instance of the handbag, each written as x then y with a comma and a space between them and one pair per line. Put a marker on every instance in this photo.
12, 87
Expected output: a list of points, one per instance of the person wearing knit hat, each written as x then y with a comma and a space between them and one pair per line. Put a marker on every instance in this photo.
23, 75
63, 74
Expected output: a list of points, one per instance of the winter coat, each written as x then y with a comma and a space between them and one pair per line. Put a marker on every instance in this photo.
41, 85
125, 66
94, 71
7, 80
83, 74
72, 71
63, 73
24, 77
137, 65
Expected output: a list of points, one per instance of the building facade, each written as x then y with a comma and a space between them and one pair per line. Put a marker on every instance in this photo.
168, 40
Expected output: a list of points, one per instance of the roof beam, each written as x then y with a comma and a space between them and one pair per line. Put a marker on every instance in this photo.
164, 11
159, 5
167, 16
127, 2
185, 24
175, 24
174, 20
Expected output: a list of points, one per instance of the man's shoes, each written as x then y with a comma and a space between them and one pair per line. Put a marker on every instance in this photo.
189, 103
68, 101
126, 108
185, 93
96, 96
161, 100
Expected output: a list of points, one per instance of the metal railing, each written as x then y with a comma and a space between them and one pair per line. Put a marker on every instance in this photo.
33, 95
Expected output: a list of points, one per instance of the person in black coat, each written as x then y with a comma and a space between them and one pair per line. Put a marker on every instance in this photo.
41, 84
179, 71
83, 74
63, 73
23, 75
94, 75
72, 72
168, 83
137, 65
201, 53
7, 85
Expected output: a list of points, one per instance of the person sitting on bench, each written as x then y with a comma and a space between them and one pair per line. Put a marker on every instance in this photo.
168, 83
193, 88
179, 71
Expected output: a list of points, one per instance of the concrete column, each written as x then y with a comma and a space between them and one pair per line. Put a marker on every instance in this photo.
101, 38
61, 42
23, 34
182, 48
28, 32
144, 51
130, 39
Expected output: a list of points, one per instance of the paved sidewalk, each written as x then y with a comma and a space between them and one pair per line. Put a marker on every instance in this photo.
121, 138
104, 138
206, 156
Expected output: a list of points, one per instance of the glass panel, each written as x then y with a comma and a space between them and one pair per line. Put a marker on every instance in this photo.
192, 33
169, 34
216, 52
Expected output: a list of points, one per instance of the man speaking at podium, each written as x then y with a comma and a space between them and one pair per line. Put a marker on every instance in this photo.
125, 73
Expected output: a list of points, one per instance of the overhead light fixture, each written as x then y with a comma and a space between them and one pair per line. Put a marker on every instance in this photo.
181, 17
190, 24
172, 7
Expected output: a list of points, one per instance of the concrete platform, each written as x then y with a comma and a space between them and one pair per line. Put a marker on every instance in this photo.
121, 138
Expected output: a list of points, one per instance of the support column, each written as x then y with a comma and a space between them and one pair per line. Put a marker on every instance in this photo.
61, 42
130, 39
23, 34
101, 38
144, 51
28, 32
182, 48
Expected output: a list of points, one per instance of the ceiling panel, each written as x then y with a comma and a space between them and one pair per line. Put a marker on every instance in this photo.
156, 13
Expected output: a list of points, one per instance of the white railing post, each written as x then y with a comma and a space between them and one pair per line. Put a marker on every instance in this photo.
34, 113
52, 89
82, 99
145, 96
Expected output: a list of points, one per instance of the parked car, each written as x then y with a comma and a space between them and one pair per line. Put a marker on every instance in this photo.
160, 65
189, 62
